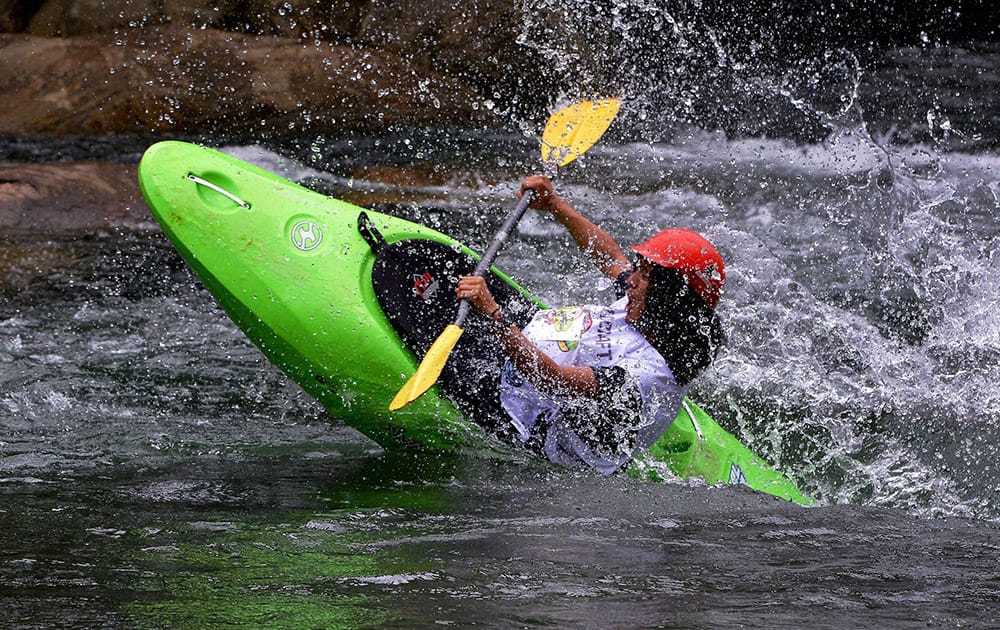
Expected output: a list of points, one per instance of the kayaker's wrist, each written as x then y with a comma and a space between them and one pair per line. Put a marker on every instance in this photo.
497, 319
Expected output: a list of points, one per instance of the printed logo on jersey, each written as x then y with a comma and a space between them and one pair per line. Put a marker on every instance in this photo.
306, 235
569, 323
425, 286
604, 327
563, 319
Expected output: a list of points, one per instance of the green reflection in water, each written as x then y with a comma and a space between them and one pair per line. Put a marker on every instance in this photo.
259, 575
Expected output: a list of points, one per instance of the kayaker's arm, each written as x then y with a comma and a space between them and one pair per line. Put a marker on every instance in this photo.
597, 244
539, 368
545, 374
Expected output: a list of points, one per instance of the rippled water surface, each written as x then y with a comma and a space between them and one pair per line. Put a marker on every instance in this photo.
156, 471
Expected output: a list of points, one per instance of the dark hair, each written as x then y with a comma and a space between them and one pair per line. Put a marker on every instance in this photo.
686, 331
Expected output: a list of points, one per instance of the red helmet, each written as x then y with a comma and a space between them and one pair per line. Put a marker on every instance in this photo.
691, 254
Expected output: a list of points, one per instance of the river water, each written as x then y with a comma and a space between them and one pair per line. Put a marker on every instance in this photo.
156, 471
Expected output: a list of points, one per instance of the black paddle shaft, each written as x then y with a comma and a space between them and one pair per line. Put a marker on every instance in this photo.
491, 254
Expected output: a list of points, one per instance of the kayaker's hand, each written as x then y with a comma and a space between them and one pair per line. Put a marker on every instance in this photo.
545, 196
474, 289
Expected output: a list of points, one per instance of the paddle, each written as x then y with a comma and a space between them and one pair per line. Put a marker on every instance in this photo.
568, 134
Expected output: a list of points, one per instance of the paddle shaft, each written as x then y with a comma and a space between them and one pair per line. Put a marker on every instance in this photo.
491, 254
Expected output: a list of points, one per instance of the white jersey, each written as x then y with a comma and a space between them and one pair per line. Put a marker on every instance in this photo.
598, 337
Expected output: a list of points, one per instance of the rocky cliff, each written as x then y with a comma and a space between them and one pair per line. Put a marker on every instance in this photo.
192, 66
114, 66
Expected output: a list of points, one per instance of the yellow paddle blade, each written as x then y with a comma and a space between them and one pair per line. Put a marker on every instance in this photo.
573, 130
429, 369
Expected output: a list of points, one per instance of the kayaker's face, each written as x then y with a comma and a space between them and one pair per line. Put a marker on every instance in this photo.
636, 287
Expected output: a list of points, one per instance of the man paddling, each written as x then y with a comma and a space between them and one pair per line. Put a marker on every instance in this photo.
597, 385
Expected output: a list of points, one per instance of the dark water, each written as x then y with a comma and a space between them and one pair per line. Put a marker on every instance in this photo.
156, 471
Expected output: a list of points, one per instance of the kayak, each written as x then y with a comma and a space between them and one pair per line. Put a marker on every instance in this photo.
341, 299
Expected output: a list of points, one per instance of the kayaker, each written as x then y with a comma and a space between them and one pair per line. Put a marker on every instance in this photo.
596, 384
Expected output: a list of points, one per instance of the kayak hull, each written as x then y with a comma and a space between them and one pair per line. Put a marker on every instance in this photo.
293, 271
288, 266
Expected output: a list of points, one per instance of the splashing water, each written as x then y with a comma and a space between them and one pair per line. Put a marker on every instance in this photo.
859, 301
862, 292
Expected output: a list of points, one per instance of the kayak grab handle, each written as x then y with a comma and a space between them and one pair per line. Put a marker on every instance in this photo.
219, 189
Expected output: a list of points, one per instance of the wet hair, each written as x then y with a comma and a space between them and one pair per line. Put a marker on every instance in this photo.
687, 332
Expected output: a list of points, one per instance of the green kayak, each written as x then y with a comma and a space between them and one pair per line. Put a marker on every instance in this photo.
314, 283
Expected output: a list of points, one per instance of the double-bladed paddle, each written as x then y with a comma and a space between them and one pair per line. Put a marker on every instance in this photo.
568, 134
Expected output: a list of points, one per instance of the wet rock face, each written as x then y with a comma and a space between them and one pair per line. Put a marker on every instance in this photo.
472, 39
186, 66
185, 81
336, 21
190, 66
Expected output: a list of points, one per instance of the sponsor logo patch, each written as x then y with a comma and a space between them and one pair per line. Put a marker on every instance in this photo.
565, 326
425, 286
566, 319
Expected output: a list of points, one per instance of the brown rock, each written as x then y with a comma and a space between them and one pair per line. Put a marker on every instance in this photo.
197, 81
38, 201
330, 20
474, 37
62, 18
474, 42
